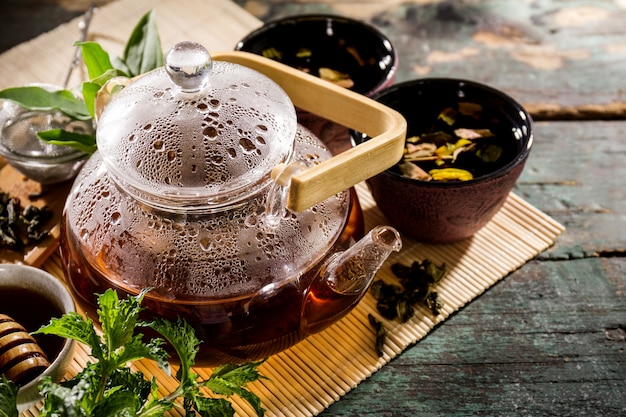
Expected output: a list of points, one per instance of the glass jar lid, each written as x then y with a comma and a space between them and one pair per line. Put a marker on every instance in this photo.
197, 133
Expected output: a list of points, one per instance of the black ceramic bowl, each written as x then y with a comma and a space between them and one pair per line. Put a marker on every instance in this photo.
443, 212
311, 42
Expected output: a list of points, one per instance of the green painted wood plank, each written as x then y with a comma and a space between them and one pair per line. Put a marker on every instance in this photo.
576, 173
536, 343
567, 53
533, 345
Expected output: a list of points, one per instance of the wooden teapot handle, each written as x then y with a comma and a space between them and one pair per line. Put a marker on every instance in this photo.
385, 126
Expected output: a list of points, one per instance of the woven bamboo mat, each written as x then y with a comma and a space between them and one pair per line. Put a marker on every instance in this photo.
310, 376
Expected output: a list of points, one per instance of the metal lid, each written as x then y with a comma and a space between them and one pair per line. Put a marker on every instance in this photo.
197, 133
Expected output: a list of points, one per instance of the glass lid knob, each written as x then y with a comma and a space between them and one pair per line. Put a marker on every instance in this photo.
189, 65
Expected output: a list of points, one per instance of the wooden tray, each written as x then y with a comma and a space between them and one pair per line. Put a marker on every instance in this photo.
32, 192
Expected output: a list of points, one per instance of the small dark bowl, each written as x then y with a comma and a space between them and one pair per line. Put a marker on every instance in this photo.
444, 212
342, 44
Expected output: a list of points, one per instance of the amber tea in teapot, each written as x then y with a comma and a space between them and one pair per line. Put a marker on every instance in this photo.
188, 195
236, 328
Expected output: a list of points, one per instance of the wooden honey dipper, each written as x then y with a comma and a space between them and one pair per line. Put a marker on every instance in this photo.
21, 357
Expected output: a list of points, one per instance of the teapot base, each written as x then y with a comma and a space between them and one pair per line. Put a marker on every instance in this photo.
232, 331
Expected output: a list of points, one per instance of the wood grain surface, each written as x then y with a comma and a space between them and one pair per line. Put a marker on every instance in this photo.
549, 339
30, 192
561, 59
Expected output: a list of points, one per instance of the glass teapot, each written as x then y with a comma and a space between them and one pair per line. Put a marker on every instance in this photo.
205, 189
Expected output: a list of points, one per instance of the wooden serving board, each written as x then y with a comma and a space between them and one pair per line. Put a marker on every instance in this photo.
33, 193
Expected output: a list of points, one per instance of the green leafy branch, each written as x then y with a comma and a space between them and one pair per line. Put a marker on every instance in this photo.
109, 387
142, 53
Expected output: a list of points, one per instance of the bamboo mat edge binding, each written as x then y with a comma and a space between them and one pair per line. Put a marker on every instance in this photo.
309, 377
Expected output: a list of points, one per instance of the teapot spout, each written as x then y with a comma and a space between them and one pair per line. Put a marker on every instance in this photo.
346, 277
351, 272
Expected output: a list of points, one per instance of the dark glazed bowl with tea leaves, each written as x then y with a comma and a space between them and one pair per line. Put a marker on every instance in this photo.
346, 51
454, 193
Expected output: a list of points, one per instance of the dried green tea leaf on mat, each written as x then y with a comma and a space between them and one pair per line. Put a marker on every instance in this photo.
399, 301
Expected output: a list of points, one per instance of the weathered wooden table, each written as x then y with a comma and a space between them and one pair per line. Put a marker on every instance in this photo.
550, 339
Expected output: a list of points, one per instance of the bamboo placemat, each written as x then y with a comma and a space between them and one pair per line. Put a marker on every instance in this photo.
307, 378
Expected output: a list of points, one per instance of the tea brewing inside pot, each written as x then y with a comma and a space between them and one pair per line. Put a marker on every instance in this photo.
176, 196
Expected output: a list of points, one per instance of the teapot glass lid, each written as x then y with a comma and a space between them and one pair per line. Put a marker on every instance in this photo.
196, 133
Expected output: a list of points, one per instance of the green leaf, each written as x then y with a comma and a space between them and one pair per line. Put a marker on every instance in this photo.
118, 318
96, 59
125, 379
213, 407
92, 87
121, 403
228, 388
230, 379
143, 51
136, 349
8, 398
73, 326
253, 400
90, 91
71, 398
120, 65
40, 99
108, 75
239, 374
155, 407
60, 137
100, 71
109, 388
55, 403
183, 339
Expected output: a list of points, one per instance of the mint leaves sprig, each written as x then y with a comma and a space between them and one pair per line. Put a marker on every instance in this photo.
142, 53
8, 398
108, 387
